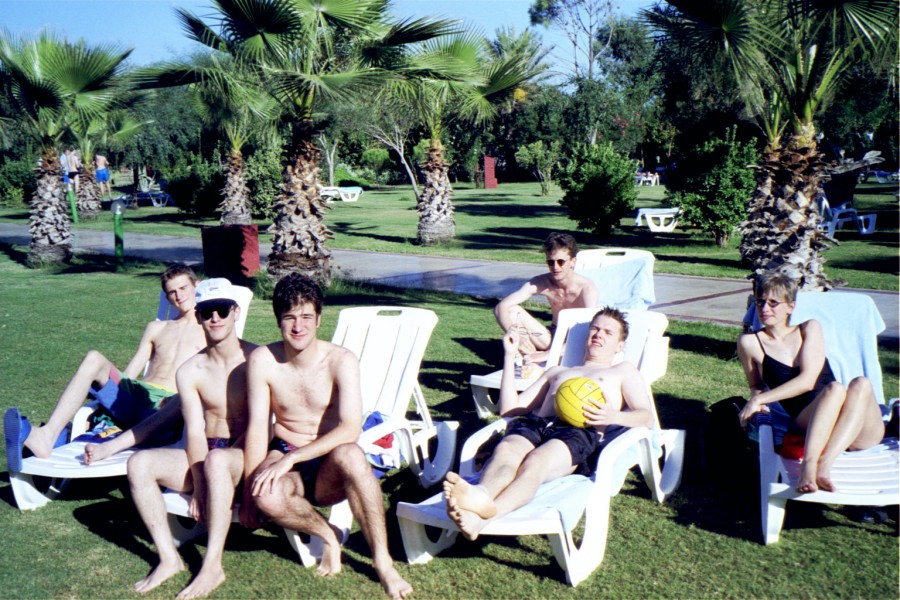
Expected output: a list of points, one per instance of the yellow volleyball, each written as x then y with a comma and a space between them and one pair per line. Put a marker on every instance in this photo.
571, 397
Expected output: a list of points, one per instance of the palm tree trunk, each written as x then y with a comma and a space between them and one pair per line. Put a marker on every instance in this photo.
49, 224
235, 204
435, 208
781, 230
88, 200
298, 233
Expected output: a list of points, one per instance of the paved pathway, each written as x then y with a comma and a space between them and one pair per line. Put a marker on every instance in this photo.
678, 296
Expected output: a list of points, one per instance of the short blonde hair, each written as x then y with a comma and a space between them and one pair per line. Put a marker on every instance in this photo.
778, 284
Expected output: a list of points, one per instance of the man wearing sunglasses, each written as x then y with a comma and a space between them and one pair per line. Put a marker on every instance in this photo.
130, 403
562, 287
213, 390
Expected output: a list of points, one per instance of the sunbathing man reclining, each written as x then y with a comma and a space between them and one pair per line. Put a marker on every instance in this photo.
537, 448
313, 388
165, 344
213, 390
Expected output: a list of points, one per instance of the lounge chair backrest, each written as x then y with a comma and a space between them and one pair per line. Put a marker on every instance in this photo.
390, 343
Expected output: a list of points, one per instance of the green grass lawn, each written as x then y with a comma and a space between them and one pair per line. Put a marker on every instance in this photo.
703, 542
509, 223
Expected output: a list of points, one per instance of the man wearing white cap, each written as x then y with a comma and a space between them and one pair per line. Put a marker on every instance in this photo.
213, 390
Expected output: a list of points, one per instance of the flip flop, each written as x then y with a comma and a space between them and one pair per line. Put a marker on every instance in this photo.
16, 428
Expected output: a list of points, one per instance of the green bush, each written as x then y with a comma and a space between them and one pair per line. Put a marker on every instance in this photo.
375, 158
712, 184
17, 183
196, 185
263, 172
343, 176
599, 185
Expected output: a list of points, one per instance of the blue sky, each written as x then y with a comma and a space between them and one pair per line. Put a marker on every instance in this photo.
150, 27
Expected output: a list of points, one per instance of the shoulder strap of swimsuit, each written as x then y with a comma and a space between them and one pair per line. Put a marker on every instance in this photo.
759, 341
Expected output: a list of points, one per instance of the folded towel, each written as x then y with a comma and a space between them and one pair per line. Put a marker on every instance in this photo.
625, 285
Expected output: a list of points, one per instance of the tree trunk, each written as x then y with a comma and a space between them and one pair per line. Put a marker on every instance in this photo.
235, 204
88, 200
298, 234
49, 224
435, 207
781, 230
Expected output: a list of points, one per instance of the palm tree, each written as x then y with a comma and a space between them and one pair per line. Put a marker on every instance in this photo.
473, 80
308, 52
51, 84
787, 58
235, 101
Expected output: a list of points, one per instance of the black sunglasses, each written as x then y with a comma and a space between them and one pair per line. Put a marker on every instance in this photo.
558, 262
206, 312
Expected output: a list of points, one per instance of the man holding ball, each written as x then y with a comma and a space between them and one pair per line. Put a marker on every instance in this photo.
539, 446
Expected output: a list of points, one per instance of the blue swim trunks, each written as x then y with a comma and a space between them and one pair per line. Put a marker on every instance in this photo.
102, 175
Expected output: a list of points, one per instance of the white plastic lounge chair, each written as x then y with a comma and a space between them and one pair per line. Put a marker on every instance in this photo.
346, 194
390, 343
624, 278
851, 323
658, 220
560, 504
66, 461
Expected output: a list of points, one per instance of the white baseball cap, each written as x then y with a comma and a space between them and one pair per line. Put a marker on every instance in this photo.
216, 289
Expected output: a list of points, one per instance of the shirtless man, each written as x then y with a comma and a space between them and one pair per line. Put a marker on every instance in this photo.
313, 388
213, 390
536, 448
101, 166
563, 288
166, 344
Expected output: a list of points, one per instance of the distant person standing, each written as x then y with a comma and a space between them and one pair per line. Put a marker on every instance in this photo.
64, 169
74, 167
101, 172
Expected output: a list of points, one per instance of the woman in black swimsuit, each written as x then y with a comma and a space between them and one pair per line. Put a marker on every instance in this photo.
786, 363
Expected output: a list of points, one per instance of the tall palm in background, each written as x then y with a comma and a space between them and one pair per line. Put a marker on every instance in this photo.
786, 58
308, 52
52, 84
235, 101
471, 84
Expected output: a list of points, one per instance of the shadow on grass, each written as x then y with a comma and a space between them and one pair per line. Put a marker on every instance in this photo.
701, 344
367, 231
879, 265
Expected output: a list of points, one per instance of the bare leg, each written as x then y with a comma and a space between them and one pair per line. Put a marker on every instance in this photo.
533, 336
347, 467
819, 419
288, 507
223, 470
551, 460
166, 416
93, 368
147, 470
859, 426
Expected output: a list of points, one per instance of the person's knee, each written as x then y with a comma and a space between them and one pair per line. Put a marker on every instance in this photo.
860, 386
834, 391
96, 363
217, 463
139, 466
349, 458
272, 505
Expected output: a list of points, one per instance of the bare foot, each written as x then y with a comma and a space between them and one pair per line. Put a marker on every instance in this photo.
825, 483
394, 585
94, 453
204, 583
157, 576
40, 442
331, 554
807, 483
473, 498
468, 522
